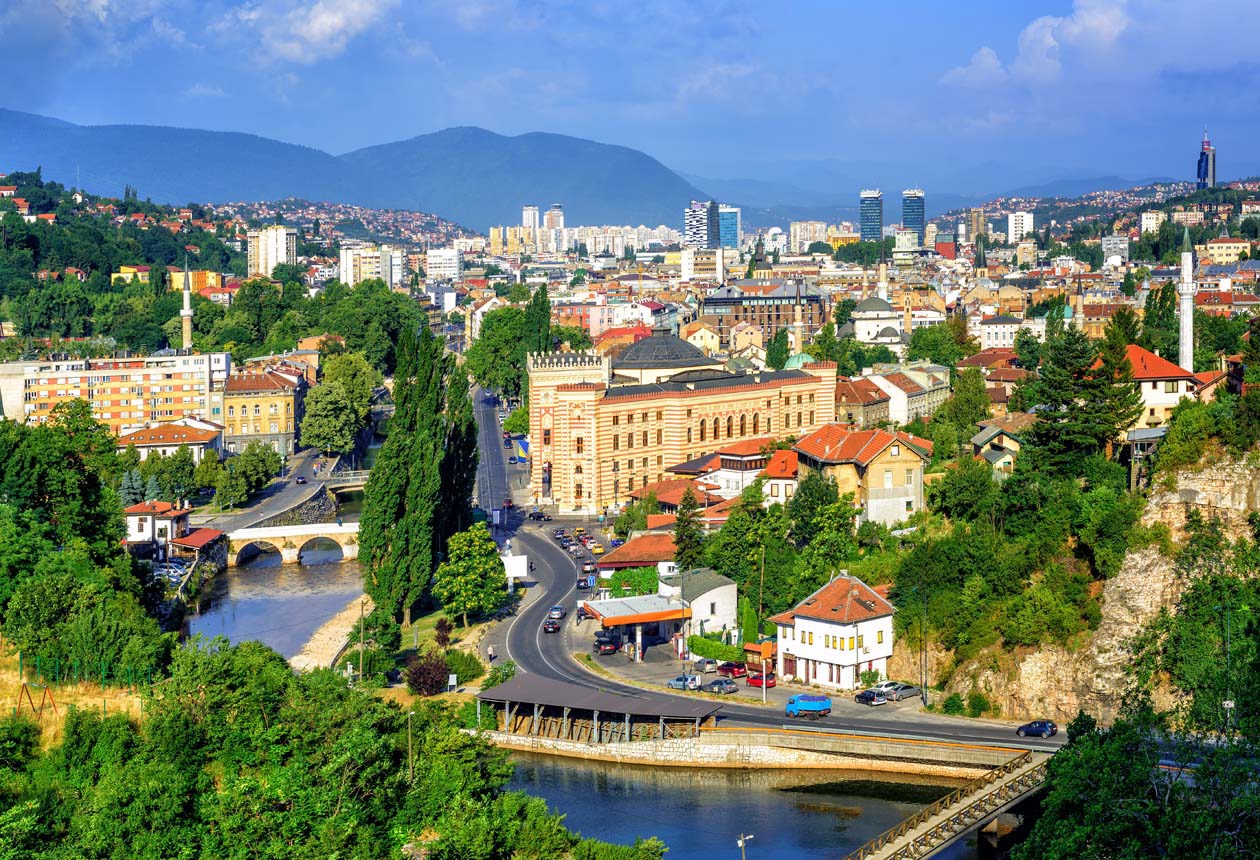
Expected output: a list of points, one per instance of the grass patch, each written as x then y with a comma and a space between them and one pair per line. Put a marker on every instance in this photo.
113, 700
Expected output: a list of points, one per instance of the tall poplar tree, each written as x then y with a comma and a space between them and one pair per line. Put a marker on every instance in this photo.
537, 333
459, 463
688, 537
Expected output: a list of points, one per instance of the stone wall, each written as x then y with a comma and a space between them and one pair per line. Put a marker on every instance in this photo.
321, 507
1228, 489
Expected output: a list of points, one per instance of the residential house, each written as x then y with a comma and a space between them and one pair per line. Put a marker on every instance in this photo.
860, 402
999, 441
780, 477
840, 631
1163, 385
669, 493
163, 440
650, 549
999, 331
712, 598
883, 470
915, 389
701, 335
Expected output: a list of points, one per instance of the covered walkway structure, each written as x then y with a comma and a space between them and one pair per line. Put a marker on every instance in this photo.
541, 707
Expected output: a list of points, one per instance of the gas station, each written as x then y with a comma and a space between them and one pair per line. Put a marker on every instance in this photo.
661, 615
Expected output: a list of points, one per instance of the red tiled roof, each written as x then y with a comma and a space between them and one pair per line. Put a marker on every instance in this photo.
859, 390
660, 521
1207, 377
265, 381
747, 447
838, 443
641, 551
904, 382
155, 508
197, 538
782, 465
670, 492
994, 357
997, 394
169, 434
1007, 374
844, 600
1148, 366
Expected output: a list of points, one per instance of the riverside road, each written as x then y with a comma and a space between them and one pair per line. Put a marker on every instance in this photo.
521, 639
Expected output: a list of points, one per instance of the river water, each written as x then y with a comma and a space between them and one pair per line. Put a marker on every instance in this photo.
699, 813
280, 605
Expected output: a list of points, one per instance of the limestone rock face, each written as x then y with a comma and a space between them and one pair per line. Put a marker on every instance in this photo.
1228, 489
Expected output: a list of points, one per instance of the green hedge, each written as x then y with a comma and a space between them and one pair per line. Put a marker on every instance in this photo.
465, 666
702, 647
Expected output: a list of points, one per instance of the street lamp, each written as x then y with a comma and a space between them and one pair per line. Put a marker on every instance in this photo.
1228, 704
742, 841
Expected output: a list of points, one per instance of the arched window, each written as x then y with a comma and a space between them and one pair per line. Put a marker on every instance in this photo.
702, 427
717, 430
577, 470
730, 425
756, 422
743, 425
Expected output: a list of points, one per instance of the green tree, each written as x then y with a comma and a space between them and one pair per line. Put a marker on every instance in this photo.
206, 475
777, 352
496, 359
152, 489
832, 544
517, 422
1027, 349
688, 535
231, 488
968, 405
131, 490
1125, 325
935, 343
472, 579
330, 421
576, 337
633, 517
459, 457
816, 492
1119, 397
357, 378
1160, 324
825, 347
1075, 420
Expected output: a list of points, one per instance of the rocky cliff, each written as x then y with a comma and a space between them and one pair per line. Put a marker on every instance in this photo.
1055, 681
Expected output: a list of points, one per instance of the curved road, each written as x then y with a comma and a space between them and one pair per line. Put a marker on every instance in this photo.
549, 655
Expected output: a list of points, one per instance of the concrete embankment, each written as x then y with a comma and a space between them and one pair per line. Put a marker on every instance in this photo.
778, 748
326, 643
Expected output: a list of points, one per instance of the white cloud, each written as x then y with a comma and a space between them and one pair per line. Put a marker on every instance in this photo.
984, 69
204, 91
307, 32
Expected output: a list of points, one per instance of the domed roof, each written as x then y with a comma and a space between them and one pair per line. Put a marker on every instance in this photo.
888, 331
661, 350
873, 304
796, 362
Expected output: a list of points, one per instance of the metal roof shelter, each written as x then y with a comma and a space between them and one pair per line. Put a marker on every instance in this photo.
644, 609
564, 711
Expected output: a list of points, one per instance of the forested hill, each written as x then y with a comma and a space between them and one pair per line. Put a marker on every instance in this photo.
468, 175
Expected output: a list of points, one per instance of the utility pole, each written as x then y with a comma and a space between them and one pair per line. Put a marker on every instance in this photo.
360, 641
742, 841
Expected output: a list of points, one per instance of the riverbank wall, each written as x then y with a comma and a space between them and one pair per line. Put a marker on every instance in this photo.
326, 644
778, 749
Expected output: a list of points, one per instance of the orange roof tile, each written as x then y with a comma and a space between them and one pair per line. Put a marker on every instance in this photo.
747, 447
156, 509
844, 600
670, 492
839, 443
169, 434
859, 390
641, 551
783, 465
1148, 366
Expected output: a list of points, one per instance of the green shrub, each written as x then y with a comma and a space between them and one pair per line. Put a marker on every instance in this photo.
700, 646
376, 662
504, 671
953, 705
634, 581
977, 703
869, 678
465, 666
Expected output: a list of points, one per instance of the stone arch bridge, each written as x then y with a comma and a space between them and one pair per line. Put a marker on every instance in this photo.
292, 541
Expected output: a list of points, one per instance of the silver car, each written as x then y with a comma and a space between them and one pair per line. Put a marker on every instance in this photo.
901, 691
704, 665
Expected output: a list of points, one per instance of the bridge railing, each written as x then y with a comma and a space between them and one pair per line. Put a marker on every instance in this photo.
976, 787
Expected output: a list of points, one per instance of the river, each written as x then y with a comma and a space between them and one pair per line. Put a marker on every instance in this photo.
280, 605
699, 813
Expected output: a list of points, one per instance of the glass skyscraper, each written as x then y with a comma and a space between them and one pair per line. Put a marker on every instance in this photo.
1206, 172
871, 216
729, 227
913, 215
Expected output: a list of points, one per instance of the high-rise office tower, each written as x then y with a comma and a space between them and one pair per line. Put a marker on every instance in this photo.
268, 247
554, 219
730, 229
871, 216
913, 213
975, 224
702, 224
1206, 173
529, 217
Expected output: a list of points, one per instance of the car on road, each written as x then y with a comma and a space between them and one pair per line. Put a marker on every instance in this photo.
762, 679
871, 697
299, 480
704, 666
583, 584
684, 682
597, 549
808, 707
606, 646
615, 542
539, 516
559, 534
901, 691
722, 686
1041, 728
557, 612
507, 443
551, 625
575, 550
732, 670
579, 531
513, 460
508, 503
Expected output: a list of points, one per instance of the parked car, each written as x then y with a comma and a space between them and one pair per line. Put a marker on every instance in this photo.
539, 516
551, 625
615, 542
557, 612
732, 670
704, 666
684, 682
576, 550
299, 480
606, 646
761, 679
512, 460
871, 697
723, 686
559, 534
807, 706
579, 531
611, 635
507, 443
1041, 728
902, 691
884, 686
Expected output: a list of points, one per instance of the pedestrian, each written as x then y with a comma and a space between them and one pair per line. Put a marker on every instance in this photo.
490, 653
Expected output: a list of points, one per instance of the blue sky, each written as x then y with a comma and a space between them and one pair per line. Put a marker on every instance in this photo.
714, 88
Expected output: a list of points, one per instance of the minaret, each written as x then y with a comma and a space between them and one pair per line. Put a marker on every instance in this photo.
1185, 291
186, 314
881, 288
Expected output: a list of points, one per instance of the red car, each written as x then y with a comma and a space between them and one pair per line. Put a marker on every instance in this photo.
507, 503
732, 670
766, 680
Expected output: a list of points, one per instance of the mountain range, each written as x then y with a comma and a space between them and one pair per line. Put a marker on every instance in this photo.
478, 178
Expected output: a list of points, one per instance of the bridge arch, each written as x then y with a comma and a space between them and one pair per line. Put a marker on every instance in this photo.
321, 544
252, 549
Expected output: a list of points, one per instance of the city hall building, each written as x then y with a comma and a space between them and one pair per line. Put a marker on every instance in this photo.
600, 428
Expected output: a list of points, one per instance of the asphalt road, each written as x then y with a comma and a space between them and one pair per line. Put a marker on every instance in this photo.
283, 494
550, 655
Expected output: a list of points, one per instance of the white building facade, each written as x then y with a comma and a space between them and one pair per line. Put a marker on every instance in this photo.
833, 636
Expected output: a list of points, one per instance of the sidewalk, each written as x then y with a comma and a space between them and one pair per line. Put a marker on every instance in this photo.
496, 635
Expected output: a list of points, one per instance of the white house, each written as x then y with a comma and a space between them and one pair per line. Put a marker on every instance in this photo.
712, 598
999, 331
840, 631
164, 440
780, 478
1163, 385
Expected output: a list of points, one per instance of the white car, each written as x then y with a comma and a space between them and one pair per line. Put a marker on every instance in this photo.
884, 686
